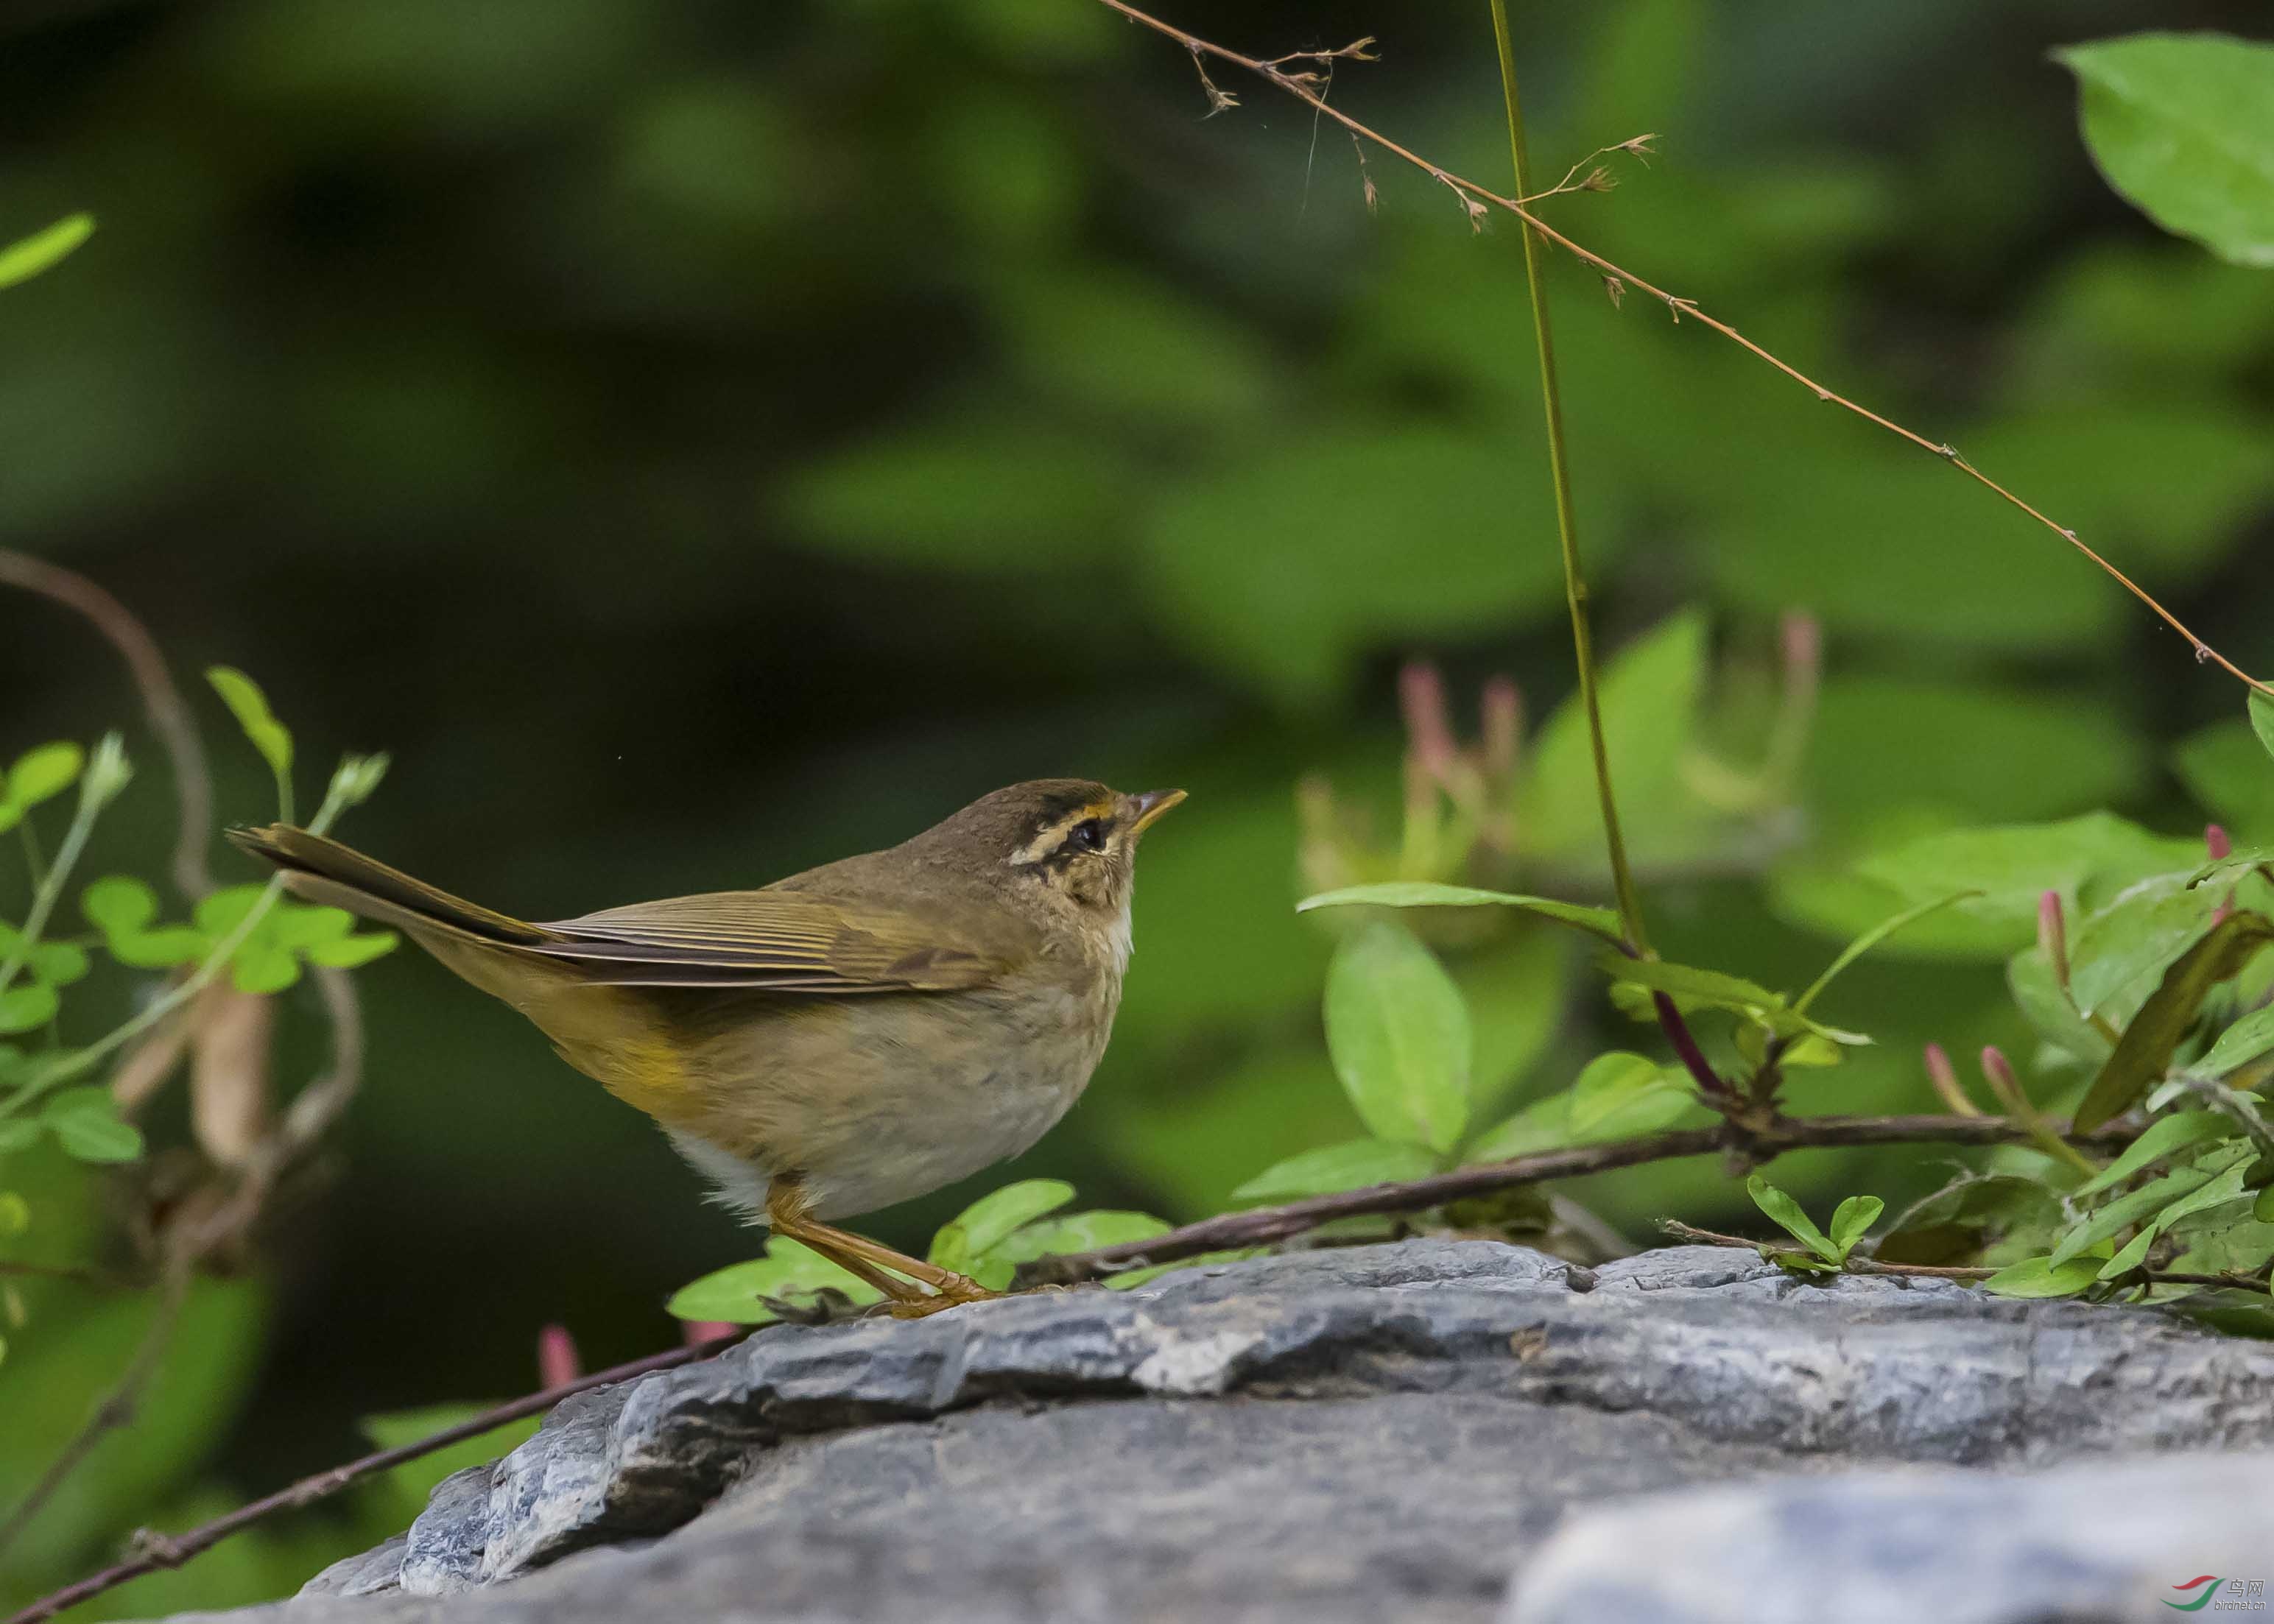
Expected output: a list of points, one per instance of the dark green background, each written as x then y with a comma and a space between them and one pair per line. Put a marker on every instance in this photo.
700, 440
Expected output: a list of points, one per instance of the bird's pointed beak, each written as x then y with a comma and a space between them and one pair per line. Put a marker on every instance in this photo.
1151, 806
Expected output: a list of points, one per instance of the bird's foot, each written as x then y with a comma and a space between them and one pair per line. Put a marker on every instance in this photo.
952, 1294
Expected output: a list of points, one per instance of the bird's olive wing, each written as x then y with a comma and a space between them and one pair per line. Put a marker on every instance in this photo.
775, 941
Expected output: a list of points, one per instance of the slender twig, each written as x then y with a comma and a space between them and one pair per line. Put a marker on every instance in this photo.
154, 1552
118, 1406
105, 776
169, 715
1264, 1225
1598, 180
1476, 198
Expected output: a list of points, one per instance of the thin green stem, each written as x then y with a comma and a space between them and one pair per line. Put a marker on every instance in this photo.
1575, 585
103, 778
344, 793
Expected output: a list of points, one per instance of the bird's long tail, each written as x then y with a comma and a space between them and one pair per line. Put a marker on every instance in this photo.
320, 869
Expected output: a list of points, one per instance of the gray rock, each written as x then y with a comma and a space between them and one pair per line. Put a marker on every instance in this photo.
2079, 1544
1378, 1431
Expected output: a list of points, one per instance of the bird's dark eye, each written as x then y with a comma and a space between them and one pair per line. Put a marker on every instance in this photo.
1087, 835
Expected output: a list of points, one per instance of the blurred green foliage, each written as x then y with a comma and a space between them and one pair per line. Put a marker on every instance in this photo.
703, 441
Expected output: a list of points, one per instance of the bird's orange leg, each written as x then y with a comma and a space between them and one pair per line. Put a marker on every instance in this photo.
871, 1260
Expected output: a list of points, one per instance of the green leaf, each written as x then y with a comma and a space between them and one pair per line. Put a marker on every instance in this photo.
42, 773
2263, 1209
59, 964
1649, 696
1786, 1212
19, 1134
2133, 1254
2012, 866
26, 257
1077, 1232
789, 1272
2029, 978
51, 964
1610, 1084
1547, 1124
27, 1007
86, 1122
118, 903
158, 950
223, 911
2262, 719
1425, 894
1711, 988
2247, 1040
2125, 947
2182, 125
2146, 1047
296, 925
250, 706
1872, 938
1853, 1219
987, 1222
2232, 1185
2043, 1277
15, 1215
261, 967
2125, 1210
1973, 1213
1351, 1166
2162, 1136
2232, 1311
348, 952
122, 908
1398, 1034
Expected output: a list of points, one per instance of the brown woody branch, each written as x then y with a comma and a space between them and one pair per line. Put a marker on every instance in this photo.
118, 1406
1264, 1226
169, 713
154, 1552
1476, 198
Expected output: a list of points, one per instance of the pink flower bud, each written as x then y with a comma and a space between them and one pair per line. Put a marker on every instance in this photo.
2052, 935
705, 1330
2221, 846
1944, 1076
1803, 642
556, 1357
1421, 697
1999, 1070
1504, 731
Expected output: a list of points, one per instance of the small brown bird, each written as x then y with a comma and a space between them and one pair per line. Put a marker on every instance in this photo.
850, 1037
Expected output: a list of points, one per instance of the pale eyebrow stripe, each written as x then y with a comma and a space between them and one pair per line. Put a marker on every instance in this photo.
1043, 844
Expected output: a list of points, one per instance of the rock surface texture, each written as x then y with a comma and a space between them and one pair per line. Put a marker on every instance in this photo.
1431, 1431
